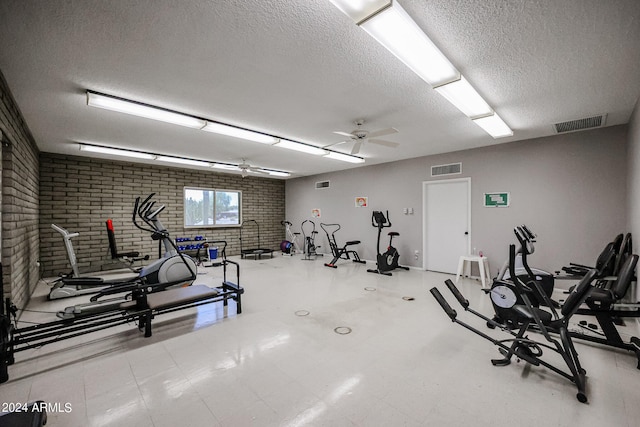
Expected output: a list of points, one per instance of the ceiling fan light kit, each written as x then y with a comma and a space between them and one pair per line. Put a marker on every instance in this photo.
388, 23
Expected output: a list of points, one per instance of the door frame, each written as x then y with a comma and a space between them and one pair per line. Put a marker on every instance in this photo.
467, 180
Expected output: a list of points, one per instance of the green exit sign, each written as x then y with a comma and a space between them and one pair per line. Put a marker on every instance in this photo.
496, 200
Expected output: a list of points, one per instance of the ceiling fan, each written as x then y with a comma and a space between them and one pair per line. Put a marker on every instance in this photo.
361, 136
244, 168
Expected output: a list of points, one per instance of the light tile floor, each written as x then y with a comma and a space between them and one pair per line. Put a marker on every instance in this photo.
403, 364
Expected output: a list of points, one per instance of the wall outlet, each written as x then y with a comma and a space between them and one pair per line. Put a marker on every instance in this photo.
416, 255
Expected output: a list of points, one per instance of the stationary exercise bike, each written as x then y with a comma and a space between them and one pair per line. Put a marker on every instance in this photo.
290, 246
310, 249
389, 260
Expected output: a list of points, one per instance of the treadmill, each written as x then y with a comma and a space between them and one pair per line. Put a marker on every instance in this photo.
76, 283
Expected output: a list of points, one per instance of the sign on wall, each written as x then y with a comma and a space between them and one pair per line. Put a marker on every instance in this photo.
361, 202
497, 200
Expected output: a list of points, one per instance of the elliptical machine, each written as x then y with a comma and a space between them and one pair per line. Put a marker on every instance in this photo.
389, 260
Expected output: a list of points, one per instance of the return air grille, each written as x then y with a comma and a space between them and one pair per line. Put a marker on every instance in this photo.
581, 124
322, 184
450, 169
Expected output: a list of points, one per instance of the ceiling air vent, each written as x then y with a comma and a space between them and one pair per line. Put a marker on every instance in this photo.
581, 124
450, 169
322, 184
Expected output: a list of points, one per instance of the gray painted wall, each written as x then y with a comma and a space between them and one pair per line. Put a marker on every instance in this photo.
633, 180
570, 189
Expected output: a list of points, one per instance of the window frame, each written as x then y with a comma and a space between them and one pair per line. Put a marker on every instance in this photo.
215, 191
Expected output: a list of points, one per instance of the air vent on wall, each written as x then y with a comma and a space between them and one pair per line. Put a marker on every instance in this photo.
450, 169
581, 124
322, 184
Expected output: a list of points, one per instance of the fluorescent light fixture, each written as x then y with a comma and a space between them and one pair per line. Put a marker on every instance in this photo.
394, 29
142, 110
116, 152
344, 157
275, 173
358, 10
226, 167
494, 126
239, 133
292, 145
465, 98
183, 161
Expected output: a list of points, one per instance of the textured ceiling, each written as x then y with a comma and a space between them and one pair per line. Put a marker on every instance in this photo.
300, 69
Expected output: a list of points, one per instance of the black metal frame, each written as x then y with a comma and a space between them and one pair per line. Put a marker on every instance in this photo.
340, 252
520, 345
256, 252
383, 266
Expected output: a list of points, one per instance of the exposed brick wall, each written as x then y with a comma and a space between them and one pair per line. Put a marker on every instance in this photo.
20, 250
80, 194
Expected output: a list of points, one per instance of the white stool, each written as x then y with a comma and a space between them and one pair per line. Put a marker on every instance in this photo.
464, 268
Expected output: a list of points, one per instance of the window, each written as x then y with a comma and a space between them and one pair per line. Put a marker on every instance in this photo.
207, 207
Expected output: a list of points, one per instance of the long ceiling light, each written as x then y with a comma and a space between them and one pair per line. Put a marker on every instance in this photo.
116, 152
388, 23
344, 157
114, 103
393, 28
494, 126
120, 105
296, 146
461, 94
170, 159
274, 173
182, 161
239, 133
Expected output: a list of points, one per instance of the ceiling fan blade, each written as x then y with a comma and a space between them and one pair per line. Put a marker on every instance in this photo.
385, 143
356, 147
343, 133
383, 132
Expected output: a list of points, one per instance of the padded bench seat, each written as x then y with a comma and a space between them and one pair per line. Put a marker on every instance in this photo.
180, 296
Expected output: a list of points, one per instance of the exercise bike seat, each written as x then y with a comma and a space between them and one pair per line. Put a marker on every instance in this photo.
393, 233
601, 296
352, 242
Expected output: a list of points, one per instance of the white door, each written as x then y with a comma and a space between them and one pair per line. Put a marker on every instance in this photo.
446, 223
